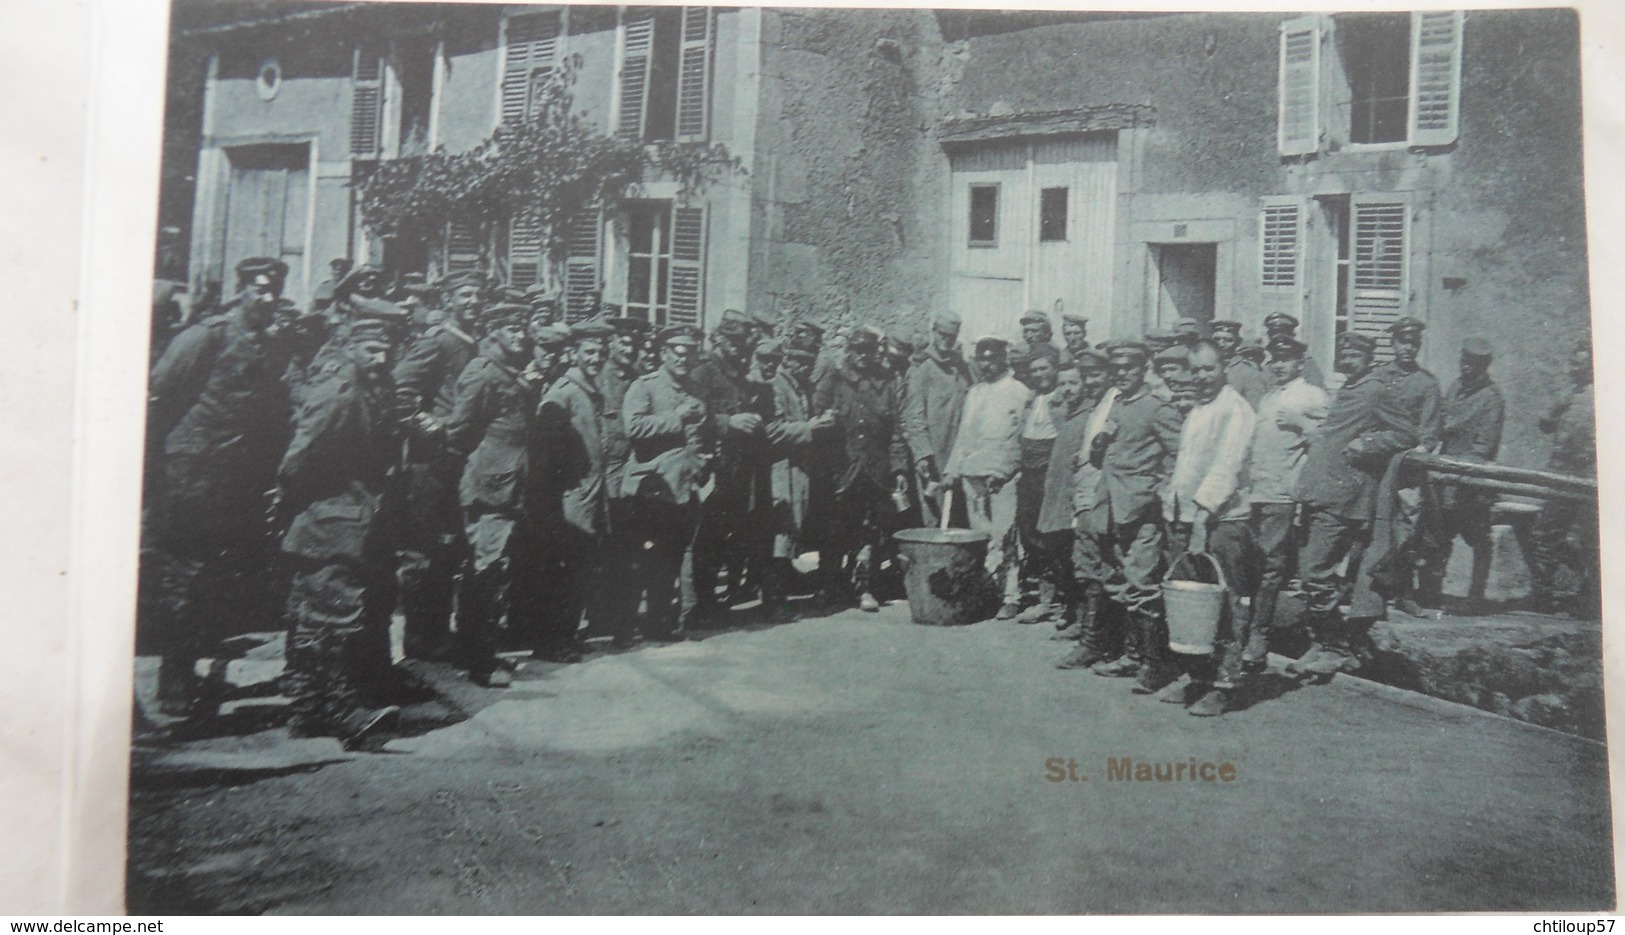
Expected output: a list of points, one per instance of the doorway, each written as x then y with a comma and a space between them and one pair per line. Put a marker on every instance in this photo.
268, 207
1186, 277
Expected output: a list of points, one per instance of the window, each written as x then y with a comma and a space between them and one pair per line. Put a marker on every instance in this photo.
1052, 214
984, 215
530, 50
366, 103
1388, 79
1380, 233
666, 75
664, 264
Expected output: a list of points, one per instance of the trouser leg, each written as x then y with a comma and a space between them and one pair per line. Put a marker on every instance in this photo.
430, 556
329, 613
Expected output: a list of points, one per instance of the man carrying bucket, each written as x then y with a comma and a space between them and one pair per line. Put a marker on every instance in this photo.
1206, 508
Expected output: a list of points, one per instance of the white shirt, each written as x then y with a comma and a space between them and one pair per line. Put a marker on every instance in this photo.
1210, 471
1040, 421
989, 439
1286, 416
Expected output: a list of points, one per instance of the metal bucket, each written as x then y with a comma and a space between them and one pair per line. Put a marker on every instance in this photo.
1193, 607
944, 574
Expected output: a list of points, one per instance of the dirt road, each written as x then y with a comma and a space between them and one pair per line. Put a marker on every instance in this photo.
863, 764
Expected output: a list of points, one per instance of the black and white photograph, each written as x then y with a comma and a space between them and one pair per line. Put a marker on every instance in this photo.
699, 460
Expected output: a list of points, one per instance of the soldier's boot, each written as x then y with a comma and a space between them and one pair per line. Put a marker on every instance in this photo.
1044, 608
1255, 648
1337, 654
775, 590
1157, 667
1094, 642
863, 573
1129, 652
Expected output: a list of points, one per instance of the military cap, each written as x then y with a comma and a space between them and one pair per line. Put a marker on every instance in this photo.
1407, 325
552, 335
733, 324
1225, 326
1128, 350
591, 328
947, 323
1477, 347
610, 310
377, 328
352, 279
629, 324
548, 306
991, 346
1188, 326
261, 266
808, 327
800, 354
458, 280
1175, 353
1089, 360
1074, 319
802, 342
513, 294
501, 314
1280, 321
1252, 351
1353, 339
1161, 337
763, 319
1034, 316
771, 348
865, 338
1286, 346
378, 309
681, 334
902, 348
534, 291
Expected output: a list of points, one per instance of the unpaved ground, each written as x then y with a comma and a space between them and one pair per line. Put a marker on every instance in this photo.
863, 764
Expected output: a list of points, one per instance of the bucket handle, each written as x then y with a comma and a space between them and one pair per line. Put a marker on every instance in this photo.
947, 505
1218, 570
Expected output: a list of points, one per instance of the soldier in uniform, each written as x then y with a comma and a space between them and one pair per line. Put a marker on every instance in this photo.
544, 306
792, 433
549, 353
1102, 636
1038, 431
1280, 323
1075, 335
340, 544
1037, 338
492, 426
1348, 455
1473, 414
985, 460
219, 417
431, 541
322, 296
1171, 366
673, 440
731, 533
1134, 449
931, 409
1240, 374
626, 348
1562, 547
572, 431
862, 396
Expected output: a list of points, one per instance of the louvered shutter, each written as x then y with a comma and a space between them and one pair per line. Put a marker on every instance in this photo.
530, 50
581, 275
637, 49
687, 265
462, 247
366, 103
1381, 266
1435, 77
1281, 268
524, 253
694, 74
1298, 131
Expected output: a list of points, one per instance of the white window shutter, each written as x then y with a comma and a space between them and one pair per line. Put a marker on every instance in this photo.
1281, 280
687, 266
366, 103
1298, 128
1435, 77
637, 48
524, 253
530, 50
581, 264
462, 247
1381, 290
694, 74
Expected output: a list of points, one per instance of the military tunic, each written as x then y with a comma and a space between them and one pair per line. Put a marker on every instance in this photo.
869, 453
572, 431
733, 519
937, 384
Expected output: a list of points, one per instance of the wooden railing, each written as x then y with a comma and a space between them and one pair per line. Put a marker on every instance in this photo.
1499, 478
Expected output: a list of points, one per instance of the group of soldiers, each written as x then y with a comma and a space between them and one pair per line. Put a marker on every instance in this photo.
455, 452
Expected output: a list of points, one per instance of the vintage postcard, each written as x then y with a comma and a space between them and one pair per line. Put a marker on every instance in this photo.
733, 460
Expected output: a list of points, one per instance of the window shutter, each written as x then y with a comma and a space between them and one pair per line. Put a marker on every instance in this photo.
1281, 274
581, 266
694, 74
531, 47
366, 103
524, 253
462, 247
1298, 132
1381, 266
637, 47
687, 265
1435, 77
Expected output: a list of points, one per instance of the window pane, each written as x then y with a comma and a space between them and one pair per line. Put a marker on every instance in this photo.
662, 280
984, 213
660, 120
1052, 214
637, 281
1376, 49
641, 224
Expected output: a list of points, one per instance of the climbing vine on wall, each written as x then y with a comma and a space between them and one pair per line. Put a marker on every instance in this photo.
542, 171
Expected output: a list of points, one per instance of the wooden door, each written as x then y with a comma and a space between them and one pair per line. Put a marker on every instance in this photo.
267, 209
